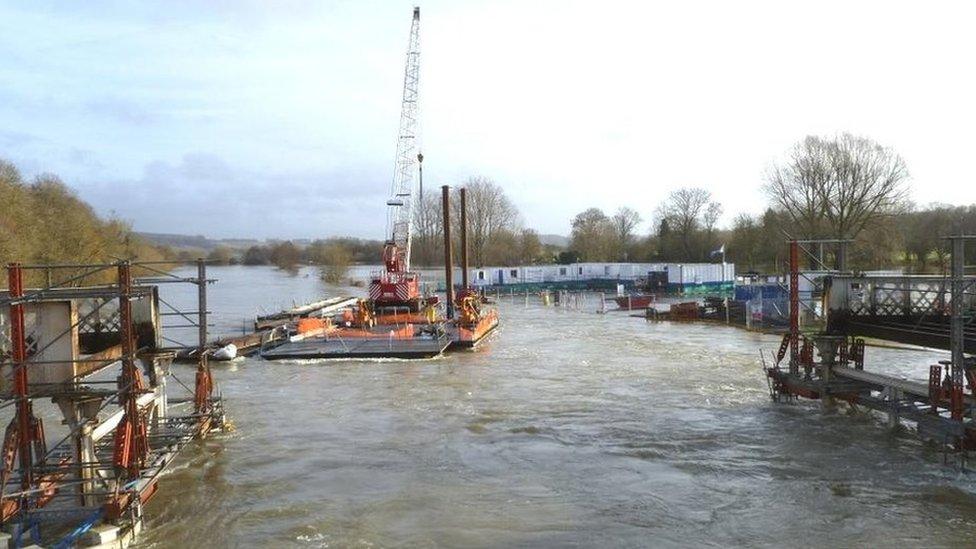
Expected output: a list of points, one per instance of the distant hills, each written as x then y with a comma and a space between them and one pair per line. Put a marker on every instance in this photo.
554, 240
200, 242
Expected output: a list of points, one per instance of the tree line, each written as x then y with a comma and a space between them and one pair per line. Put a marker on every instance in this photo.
333, 255
496, 234
42, 221
843, 188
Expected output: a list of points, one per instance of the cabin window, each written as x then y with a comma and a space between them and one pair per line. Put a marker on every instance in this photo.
481, 275
562, 271
606, 270
514, 273
580, 270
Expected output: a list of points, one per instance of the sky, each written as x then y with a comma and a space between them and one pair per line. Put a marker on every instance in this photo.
248, 119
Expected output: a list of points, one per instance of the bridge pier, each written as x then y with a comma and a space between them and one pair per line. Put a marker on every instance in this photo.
893, 396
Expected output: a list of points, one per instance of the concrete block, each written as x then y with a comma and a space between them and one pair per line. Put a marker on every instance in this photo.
100, 534
6, 540
122, 538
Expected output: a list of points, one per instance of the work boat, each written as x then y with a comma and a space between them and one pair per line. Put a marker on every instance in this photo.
632, 302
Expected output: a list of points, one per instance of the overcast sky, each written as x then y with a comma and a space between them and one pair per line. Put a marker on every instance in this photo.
279, 119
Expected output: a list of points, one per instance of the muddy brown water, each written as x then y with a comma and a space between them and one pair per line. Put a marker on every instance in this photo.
568, 428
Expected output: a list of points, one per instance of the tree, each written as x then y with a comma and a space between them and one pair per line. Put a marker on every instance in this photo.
502, 249
285, 255
256, 255
745, 249
490, 213
625, 223
530, 247
837, 187
45, 222
593, 235
427, 244
566, 257
335, 259
683, 216
221, 255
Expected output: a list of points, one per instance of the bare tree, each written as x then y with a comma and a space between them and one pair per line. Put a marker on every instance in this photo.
428, 231
836, 187
490, 214
625, 223
685, 212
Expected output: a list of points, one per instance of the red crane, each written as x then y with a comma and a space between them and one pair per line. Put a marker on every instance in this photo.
396, 285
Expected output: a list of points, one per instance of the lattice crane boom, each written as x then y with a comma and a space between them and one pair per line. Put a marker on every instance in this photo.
399, 215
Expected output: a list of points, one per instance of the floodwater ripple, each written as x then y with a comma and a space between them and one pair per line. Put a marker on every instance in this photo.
568, 429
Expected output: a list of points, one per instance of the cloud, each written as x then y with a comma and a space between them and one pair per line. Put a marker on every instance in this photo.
12, 139
204, 194
120, 110
84, 158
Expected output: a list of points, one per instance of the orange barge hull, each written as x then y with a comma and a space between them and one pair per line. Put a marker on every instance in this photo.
469, 336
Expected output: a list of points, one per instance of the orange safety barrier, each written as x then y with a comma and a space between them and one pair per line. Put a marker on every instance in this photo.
402, 318
306, 325
406, 332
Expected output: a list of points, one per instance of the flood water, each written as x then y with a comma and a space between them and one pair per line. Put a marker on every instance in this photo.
568, 429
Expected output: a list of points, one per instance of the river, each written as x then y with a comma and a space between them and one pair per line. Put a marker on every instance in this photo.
568, 428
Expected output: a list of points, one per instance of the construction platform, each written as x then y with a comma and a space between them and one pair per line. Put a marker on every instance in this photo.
339, 347
829, 364
96, 352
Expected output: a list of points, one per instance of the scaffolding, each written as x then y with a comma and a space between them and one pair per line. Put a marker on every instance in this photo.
830, 364
97, 352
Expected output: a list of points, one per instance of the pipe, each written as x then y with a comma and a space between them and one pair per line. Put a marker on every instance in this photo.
448, 253
464, 239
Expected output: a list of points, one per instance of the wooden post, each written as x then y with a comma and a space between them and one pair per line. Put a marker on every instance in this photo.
448, 252
464, 240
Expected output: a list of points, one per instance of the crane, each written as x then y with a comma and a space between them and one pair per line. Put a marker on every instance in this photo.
396, 285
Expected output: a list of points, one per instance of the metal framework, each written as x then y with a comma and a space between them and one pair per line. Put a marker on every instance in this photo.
121, 432
400, 204
932, 311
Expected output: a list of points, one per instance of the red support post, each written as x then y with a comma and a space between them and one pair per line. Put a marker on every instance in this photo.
794, 307
131, 438
24, 437
18, 341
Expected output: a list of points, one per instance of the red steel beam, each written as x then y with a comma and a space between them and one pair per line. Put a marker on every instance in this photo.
794, 307
18, 342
